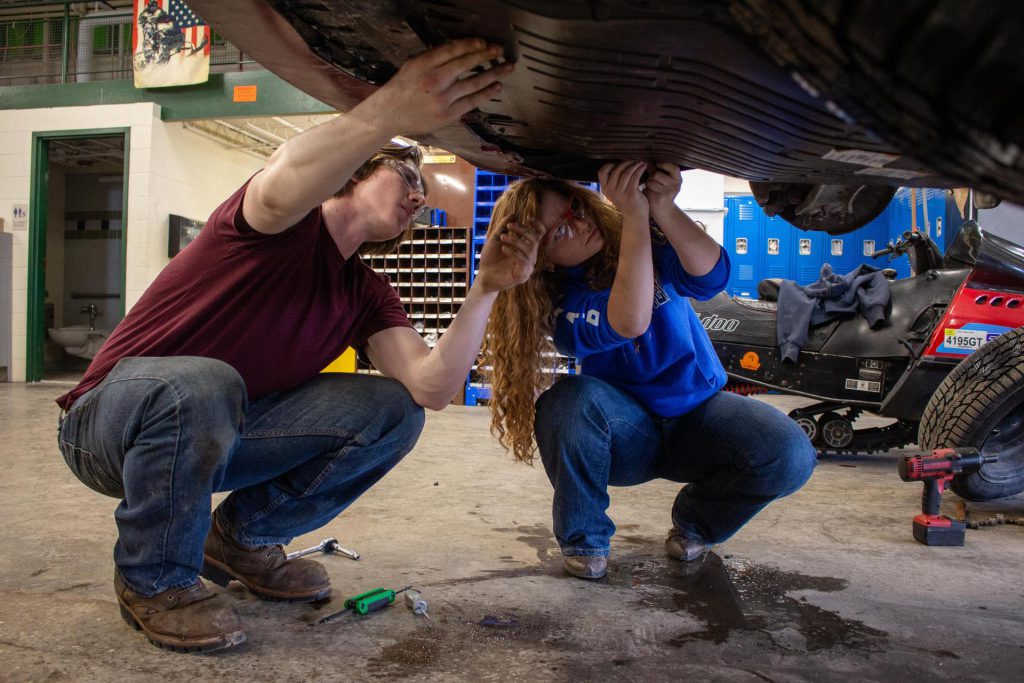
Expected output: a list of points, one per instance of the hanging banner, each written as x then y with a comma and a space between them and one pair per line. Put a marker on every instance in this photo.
170, 45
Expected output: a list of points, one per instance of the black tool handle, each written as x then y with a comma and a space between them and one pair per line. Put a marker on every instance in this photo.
931, 497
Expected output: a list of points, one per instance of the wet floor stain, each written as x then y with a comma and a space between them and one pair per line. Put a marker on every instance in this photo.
499, 621
733, 597
732, 601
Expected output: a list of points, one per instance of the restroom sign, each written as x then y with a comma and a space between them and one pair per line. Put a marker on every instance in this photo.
805, 247
19, 217
837, 247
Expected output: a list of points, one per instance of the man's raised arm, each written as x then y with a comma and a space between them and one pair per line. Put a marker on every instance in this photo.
429, 91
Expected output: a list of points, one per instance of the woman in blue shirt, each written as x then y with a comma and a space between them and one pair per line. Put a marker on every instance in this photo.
613, 292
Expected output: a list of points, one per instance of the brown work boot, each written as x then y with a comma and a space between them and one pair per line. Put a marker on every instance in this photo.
586, 566
190, 619
263, 569
686, 549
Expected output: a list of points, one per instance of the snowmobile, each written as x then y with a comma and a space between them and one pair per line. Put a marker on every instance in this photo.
947, 365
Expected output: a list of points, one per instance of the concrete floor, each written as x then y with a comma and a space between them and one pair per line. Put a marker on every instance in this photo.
826, 584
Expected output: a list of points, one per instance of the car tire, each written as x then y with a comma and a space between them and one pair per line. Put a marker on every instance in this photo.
980, 404
938, 80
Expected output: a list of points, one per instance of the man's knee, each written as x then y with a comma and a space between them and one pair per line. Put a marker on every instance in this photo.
399, 419
407, 419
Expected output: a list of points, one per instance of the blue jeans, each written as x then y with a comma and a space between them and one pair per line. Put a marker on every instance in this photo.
163, 434
738, 455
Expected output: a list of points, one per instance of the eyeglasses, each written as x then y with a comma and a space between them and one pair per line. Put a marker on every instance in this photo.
563, 229
409, 175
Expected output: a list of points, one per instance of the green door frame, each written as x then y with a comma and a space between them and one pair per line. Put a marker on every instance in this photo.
38, 219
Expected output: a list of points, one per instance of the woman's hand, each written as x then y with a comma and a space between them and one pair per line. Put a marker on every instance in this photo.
509, 257
661, 188
620, 183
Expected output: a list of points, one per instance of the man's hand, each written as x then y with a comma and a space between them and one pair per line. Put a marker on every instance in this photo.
433, 376
509, 257
435, 88
662, 186
430, 91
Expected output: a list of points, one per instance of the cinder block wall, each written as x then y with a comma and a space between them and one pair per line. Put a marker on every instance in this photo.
170, 171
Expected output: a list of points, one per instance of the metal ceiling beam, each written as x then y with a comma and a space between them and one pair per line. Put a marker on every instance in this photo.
213, 99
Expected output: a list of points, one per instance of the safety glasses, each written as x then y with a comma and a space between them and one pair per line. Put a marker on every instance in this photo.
563, 229
410, 176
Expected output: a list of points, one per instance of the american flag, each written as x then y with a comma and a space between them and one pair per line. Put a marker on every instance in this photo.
191, 25
160, 60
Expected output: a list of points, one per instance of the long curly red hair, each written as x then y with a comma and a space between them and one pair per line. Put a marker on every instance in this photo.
518, 354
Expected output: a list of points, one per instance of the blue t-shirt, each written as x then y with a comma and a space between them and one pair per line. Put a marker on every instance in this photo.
672, 367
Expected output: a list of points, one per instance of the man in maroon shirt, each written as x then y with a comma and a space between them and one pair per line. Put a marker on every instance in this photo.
211, 382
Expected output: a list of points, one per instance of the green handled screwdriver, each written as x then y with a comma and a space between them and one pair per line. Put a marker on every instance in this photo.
364, 603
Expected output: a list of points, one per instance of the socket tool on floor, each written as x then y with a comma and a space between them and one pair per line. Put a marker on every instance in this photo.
326, 546
414, 601
936, 470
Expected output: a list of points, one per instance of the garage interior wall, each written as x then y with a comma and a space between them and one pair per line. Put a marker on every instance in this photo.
171, 171
702, 197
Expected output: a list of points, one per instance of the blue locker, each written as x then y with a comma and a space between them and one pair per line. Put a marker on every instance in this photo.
902, 211
871, 238
742, 242
762, 247
899, 220
846, 252
778, 248
810, 251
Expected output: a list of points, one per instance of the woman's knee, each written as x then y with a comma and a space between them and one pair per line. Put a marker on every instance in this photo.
572, 423
791, 462
569, 401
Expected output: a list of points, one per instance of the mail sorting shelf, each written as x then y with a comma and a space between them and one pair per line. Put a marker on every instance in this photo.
430, 273
489, 187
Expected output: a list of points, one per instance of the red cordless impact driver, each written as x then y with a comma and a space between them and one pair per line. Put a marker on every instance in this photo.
937, 470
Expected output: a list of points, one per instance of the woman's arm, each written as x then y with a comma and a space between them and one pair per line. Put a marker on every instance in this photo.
632, 295
697, 251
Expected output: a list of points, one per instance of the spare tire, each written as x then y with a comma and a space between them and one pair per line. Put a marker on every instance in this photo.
981, 404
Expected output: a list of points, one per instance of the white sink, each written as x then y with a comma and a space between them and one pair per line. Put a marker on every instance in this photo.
78, 340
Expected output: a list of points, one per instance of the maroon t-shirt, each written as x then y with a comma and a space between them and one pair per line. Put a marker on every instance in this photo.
277, 308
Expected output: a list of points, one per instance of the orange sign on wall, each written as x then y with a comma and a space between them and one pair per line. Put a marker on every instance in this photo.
244, 93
